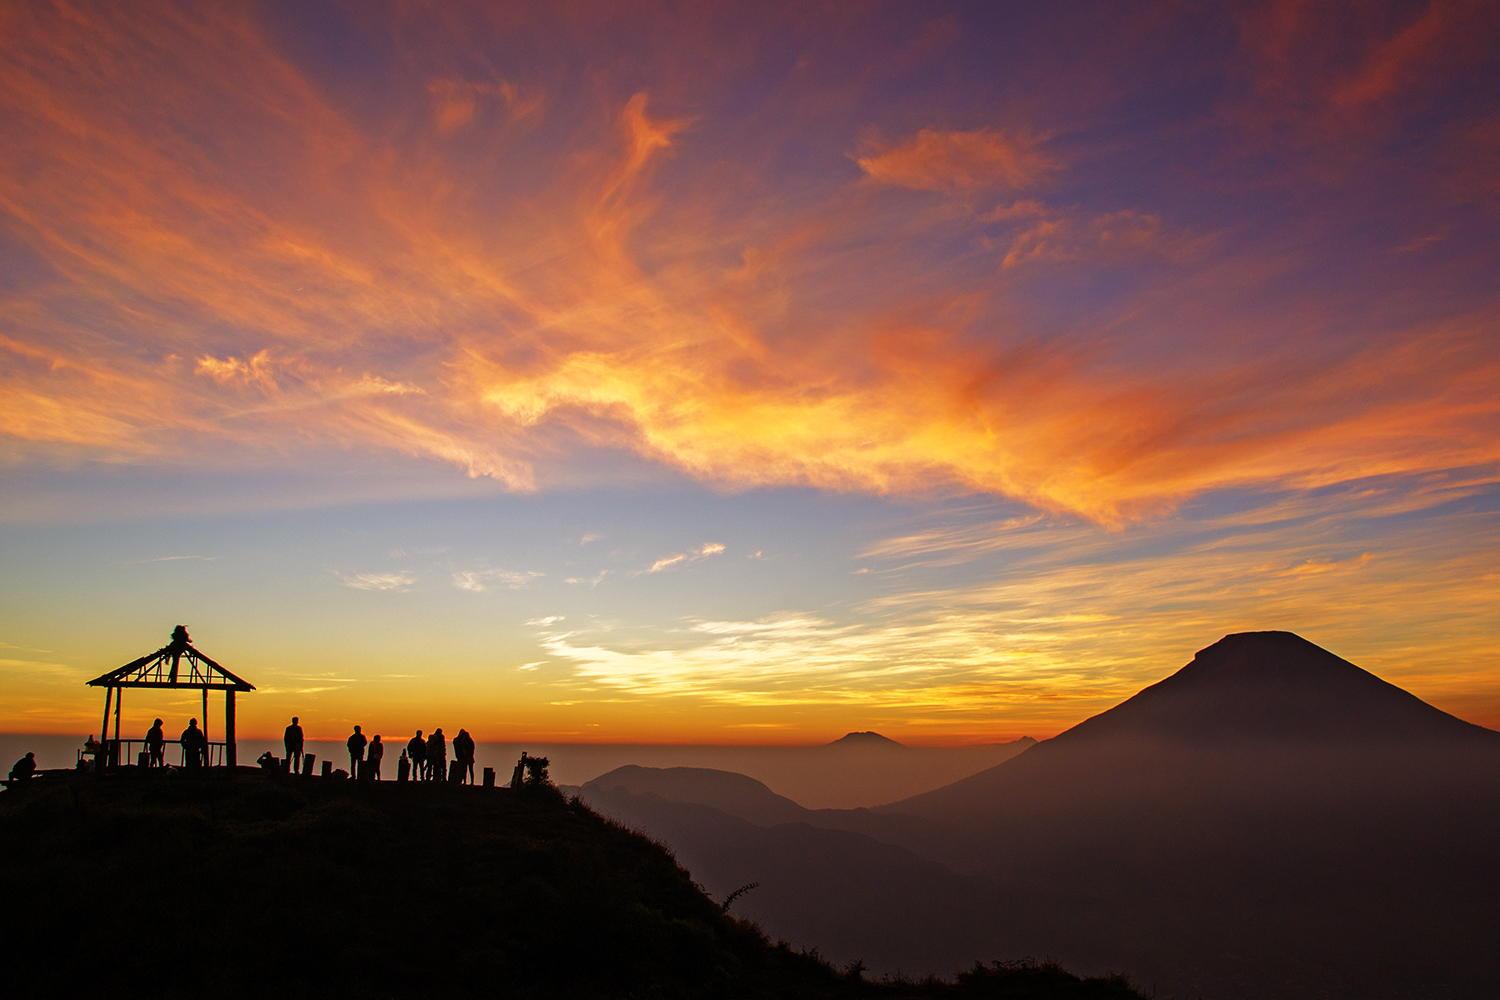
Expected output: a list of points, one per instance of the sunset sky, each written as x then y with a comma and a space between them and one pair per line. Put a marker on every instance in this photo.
743, 373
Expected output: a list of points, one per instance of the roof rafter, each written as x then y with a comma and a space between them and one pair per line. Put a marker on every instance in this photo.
178, 664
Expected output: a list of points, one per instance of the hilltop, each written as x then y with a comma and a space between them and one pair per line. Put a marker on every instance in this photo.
174, 885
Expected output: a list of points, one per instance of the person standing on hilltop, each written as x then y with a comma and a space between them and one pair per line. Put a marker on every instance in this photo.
416, 749
292, 739
156, 743
437, 755
377, 753
463, 752
356, 744
194, 746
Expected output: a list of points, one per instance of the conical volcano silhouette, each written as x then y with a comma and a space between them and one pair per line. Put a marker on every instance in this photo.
1270, 821
1219, 721
1274, 686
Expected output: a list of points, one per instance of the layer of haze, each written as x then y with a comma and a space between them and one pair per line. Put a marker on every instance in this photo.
750, 374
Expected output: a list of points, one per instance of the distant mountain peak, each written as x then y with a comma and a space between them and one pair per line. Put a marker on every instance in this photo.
865, 739
1273, 685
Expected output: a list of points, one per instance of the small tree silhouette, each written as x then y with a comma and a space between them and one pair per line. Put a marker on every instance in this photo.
736, 894
536, 771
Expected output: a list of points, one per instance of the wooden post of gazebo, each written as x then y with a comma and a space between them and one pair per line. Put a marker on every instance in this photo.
163, 669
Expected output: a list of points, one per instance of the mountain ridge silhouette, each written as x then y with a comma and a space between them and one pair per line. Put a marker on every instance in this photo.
867, 738
1243, 701
1275, 685
1268, 821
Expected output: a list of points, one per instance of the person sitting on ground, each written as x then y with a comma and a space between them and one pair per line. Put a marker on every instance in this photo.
463, 752
156, 743
437, 755
194, 745
267, 762
23, 769
416, 748
292, 739
377, 752
99, 752
356, 744
93, 750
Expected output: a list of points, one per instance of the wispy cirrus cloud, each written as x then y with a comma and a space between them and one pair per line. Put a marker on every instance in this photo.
388, 582
738, 369
168, 559
1059, 620
457, 103
676, 559
479, 580
939, 160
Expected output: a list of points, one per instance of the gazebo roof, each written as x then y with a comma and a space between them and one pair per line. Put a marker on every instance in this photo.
164, 669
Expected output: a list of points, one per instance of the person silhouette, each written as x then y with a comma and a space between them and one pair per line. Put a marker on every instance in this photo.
292, 739
416, 749
403, 767
376, 753
194, 746
23, 769
356, 744
463, 752
437, 755
156, 743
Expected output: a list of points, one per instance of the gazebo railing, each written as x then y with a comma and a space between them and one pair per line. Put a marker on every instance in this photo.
117, 752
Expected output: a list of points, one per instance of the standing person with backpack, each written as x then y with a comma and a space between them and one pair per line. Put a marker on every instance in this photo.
356, 744
377, 753
463, 752
437, 755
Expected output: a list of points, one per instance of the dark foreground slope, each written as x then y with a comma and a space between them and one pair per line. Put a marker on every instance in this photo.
853, 897
171, 885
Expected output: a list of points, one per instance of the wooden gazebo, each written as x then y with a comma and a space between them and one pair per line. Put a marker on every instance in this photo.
178, 664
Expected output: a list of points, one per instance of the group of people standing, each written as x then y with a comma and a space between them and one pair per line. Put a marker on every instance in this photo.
421, 759
427, 759
194, 745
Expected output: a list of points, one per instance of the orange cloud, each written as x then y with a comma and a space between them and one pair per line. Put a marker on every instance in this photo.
255, 370
936, 160
1121, 235
624, 296
455, 103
